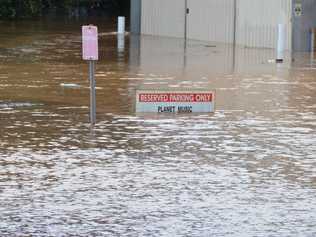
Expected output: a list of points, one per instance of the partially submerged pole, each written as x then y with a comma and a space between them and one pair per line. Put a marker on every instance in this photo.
92, 92
121, 34
90, 53
281, 43
121, 25
120, 43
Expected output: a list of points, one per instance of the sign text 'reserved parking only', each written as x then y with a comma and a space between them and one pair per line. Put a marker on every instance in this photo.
175, 102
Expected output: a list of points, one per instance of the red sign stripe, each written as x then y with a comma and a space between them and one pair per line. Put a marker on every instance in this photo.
175, 97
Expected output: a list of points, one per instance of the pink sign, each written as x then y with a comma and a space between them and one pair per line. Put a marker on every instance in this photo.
90, 43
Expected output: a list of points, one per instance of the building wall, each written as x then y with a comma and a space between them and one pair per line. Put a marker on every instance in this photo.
257, 22
163, 17
213, 20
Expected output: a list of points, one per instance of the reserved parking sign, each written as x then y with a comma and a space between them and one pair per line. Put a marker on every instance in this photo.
90, 43
175, 101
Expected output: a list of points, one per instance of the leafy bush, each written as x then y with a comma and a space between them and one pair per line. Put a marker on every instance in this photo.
12, 9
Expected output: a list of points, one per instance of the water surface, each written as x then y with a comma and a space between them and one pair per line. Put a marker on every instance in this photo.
249, 169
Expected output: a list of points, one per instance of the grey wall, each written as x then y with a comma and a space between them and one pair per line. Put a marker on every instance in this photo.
163, 18
213, 20
136, 16
302, 25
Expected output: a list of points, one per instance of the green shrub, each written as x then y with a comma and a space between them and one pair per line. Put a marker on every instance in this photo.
12, 9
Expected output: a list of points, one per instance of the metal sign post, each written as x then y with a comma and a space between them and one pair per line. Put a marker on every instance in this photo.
92, 92
91, 54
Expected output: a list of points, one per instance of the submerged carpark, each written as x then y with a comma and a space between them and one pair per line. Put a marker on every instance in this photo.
247, 169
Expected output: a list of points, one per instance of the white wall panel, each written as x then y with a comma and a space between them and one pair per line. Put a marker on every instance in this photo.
211, 20
163, 17
257, 22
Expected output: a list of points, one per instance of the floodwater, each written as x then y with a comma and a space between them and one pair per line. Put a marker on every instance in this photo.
249, 169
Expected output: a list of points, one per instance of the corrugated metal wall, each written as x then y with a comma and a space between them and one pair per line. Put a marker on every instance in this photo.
213, 20
163, 17
257, 22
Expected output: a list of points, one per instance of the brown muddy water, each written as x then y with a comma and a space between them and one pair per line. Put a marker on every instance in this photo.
247, 170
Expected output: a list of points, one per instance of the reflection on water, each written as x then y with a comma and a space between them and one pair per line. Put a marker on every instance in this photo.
247, 170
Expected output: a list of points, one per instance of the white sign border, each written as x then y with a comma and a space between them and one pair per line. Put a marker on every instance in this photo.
170, 90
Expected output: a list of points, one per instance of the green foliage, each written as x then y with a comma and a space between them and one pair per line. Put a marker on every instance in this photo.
12, 9
7, 9
20, 8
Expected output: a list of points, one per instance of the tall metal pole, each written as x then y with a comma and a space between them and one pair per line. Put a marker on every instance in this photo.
235, 35
92, 92
185, 23
235, 23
